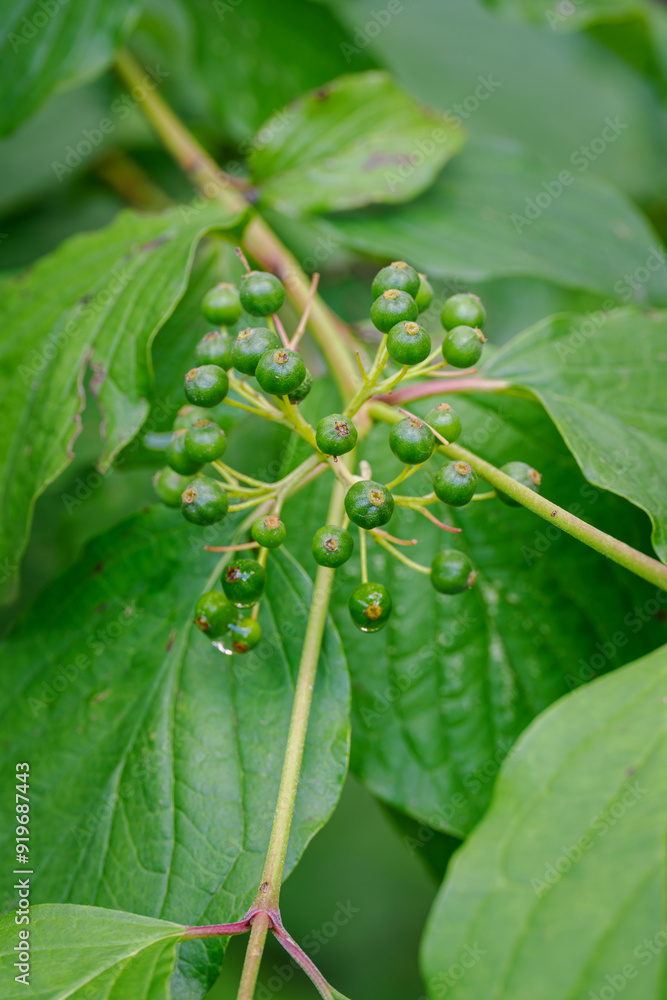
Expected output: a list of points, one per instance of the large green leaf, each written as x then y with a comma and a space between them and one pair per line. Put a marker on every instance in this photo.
560, 891
49, 45
474, 224
154, 758
98, 300
601, 378
443, 691
443, 54
88, 953
241, 62
358, 140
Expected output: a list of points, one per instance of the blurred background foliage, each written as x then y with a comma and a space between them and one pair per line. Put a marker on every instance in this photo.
556, 72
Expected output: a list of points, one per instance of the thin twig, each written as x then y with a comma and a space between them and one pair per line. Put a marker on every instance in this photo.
303, 322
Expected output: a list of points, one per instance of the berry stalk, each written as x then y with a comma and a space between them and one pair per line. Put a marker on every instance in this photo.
637, 562
331, 334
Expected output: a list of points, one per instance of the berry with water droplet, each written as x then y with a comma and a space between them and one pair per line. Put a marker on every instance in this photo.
335, 434
246, 633
214, 613
370, 605
243, 581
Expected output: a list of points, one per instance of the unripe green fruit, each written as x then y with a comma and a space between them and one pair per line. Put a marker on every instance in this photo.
261, 293
332, 546
243, 581
408, 343
205, 441
204, 501
299, 394
464, 309
280, 371
369, 504
412, 441
246, 634
462, 346
188, 415
336, 434
178, 458
206, 386
523, 474
393, 307
370, 605
424, 296
215, 348
396, 275
455, 483
214, 614
268, 531
445, 421
169, 486
250, 345
222, 305
452, 572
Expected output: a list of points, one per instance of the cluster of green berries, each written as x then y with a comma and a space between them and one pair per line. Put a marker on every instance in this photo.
400, 294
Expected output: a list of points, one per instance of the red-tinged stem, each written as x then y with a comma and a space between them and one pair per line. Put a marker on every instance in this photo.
222, 930
440, 524
231, 548
439, 386
299, 956
282, 332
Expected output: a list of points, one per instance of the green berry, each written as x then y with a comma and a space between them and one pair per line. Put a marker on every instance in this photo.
393, 307
169, 485
243, 581
261, 293
188, 415
214, 614
246, 634
299, 394
396, 275
332, 546
222, 305
369, 504
523, 474
205, 441
280, 371
370, 606
445, 421
204, 501
206, 386
464, 309
455, 483
462, 346
424, 296
335, 434
452, 572
215, 348
408, 343
178, 458
249, 346
412, 441
268, 531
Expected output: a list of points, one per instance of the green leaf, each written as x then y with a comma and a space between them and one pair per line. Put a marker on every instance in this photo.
444, 690
601, 377
49, 46
474, 224
242, 62
559, 893
85, 952
98, 300
518, 83
359, 140
165, 806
